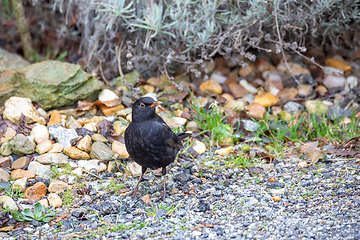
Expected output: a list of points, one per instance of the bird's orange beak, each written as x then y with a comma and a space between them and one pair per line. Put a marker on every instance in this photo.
155, 104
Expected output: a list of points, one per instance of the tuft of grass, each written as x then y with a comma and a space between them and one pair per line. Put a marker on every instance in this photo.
68, 198
151, 211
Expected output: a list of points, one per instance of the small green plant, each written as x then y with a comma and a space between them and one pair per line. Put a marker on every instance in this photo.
12, 191
241, 160
212, 121
68, 198
115, 186
151, 211
39, 214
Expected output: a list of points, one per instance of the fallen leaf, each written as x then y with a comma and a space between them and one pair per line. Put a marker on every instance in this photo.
146, 199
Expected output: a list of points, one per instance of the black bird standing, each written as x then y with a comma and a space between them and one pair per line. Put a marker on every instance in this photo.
149, 140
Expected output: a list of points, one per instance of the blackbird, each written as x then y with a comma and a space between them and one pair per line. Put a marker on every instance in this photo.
149, 140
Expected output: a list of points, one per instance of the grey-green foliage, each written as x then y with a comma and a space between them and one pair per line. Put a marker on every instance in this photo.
155, 33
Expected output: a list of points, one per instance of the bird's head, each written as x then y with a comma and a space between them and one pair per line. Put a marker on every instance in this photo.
143, 109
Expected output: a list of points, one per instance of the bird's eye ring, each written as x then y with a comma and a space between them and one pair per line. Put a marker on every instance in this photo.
142, 105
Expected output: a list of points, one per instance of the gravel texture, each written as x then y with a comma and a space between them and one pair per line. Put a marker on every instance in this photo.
316, 202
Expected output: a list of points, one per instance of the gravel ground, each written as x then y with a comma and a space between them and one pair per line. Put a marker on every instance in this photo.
279, 201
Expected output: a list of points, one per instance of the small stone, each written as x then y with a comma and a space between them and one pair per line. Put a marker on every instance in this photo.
211, 86
172, 124
218, 77
120, 149
332, 81
149, 88
63, 135
4, 175
293, 107
85, 144
350, 83
237, 90
40, 169
237, 105
120, 126
295, 68
58, 186
224, 151
250, 68
100, 150
249, 125
250, 88
5, 149
77, 171
54, 200
198, 146
146, 199
266, 99
179, 121
91, 126
7, 202
22, 145
321, 89
39, 132
276, 198
287, 93
56, 148
72, 123
19, 173
274, 76
107, 95
76, 153
134, 168
55, 118
305, 90
20, 163
255, 110
54, 159
113, 167
228, 97
36, 192
192, 126
316, 107
111, 111
9, 134
44, 202
91, 165
44, 146
15, 106
6, 161
20, 184
331, 62
99, 138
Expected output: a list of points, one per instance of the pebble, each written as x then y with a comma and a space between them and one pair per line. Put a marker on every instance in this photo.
4, 175
91, 165
20, 184
249, 88
15, 106
287, 93
120, 149
212, 86
22, 145
99, 138
224, 151
120, 126
58, 186
6, 161
316, 107
237, 105
218, 77
39, 132
36, 192
54, 159
56, 148
5, 149
305, 90
55, 118
255, 110
331, 62
54, 200
10, 133
134, 168
44, 202
7, 202
237, 90
76, 153
19, 173
63, 135
293, 107
40, 169
107, 95
250, 126
85, 144
44, 146
198, 146
332, 81
266, 99
100, 150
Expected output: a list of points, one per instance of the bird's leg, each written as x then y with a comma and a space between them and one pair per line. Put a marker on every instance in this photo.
163, 195
143, 170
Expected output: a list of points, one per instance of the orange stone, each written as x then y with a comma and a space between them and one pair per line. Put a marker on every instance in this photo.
54, 118
276, 198
266, 99
19, 173
36, 192
76, 153
111, 111
331, 62
255, 110
211, 86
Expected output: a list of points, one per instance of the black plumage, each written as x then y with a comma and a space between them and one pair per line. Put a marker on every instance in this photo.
149, 140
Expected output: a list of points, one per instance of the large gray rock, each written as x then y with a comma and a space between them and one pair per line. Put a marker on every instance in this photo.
52, 84
22, 145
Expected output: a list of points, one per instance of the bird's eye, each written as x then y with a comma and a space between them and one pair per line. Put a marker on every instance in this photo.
142, 105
